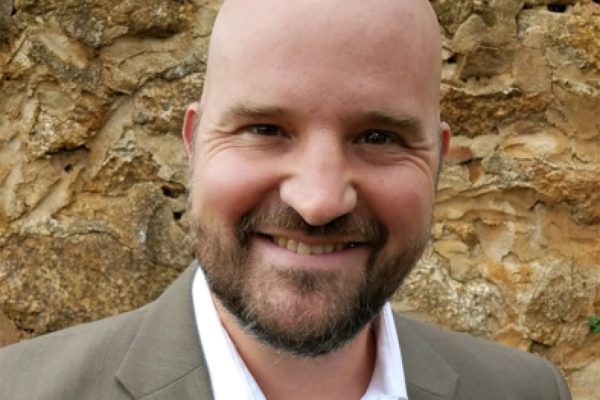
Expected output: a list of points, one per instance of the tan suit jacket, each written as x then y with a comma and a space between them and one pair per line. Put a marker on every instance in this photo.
154, 353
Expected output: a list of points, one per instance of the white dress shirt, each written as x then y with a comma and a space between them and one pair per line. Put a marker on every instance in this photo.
231, 380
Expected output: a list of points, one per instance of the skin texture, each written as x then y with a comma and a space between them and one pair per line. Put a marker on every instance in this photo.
319, 122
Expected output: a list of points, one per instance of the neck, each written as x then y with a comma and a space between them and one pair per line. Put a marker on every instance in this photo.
344, 374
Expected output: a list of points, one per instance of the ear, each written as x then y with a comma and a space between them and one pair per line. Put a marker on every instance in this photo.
190, 124
445, 136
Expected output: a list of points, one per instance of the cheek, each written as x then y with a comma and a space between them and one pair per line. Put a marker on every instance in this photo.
403, 203
226, 187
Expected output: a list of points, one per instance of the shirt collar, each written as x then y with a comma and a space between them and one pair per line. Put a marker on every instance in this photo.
388, 381
231, 379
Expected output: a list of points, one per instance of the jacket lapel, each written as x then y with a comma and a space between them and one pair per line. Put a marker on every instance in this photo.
428, 376
165, 360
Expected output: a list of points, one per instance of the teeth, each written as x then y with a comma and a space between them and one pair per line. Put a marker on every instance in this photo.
318, 249
303, 249
292, 245
307, 249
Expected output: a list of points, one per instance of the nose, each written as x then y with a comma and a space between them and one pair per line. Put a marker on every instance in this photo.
321, 185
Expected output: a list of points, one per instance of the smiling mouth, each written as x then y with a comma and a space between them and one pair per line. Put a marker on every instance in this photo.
308, 249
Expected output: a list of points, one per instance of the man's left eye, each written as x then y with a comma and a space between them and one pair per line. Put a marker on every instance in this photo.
377, 137
265, 130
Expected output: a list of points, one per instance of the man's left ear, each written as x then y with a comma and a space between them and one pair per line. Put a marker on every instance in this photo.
190, 124
445, 136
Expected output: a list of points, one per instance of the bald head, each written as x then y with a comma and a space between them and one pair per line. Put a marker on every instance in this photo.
328, 109
240, 21
360, 39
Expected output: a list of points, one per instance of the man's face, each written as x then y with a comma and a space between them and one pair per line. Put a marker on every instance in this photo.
313, 177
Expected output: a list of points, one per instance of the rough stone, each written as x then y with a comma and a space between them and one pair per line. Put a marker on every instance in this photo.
92, 171
8, 332
516, 237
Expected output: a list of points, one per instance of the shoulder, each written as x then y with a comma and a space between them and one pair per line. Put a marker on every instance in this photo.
76, 357
86, 338
450, 342
483, 367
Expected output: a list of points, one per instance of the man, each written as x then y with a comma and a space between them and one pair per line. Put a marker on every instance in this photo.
315, 151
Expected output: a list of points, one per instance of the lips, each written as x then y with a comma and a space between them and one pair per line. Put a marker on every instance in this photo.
309, 249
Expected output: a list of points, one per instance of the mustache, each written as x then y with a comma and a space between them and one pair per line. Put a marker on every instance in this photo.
287, 219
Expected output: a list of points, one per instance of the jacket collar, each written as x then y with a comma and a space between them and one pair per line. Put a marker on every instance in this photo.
428, 376
165, 358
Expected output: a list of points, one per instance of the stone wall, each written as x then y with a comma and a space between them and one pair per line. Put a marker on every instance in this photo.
92, 167
516, 250
93, 173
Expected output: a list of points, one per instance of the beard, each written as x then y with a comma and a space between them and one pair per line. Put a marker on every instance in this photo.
296, 311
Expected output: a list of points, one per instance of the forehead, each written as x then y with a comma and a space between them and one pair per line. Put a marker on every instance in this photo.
354, 51
375, 32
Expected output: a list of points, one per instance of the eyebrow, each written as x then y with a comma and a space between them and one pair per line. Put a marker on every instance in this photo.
252, 111
392, 119
375, 117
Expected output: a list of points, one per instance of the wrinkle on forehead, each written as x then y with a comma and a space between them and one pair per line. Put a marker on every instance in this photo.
253, 30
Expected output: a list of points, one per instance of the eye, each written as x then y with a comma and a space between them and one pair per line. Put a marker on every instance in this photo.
265, 130
376, 137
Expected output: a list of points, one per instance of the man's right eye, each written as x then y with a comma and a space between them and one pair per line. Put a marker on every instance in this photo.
265, 130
